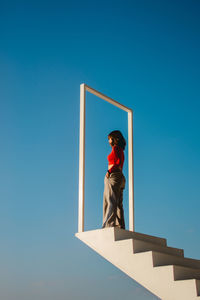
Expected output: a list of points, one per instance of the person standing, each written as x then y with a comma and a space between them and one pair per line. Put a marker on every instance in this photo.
114, 183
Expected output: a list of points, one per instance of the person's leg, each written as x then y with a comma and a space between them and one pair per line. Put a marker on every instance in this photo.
105, 203
120, 210
110, 207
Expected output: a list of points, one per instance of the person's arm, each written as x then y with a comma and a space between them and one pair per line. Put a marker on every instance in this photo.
107, 174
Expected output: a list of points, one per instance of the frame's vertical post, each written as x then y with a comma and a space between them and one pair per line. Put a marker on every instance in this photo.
81, 160
130, 170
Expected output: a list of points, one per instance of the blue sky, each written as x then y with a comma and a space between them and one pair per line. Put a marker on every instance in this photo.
144, 54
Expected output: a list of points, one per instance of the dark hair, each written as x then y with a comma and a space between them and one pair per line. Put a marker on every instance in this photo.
117, 139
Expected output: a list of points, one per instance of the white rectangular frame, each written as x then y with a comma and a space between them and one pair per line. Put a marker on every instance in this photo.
83, 89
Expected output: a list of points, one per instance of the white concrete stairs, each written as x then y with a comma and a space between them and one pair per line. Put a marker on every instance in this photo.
148, 260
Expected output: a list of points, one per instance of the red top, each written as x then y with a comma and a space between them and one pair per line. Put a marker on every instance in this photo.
116, 158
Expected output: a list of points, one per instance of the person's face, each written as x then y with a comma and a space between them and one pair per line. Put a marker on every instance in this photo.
110, 141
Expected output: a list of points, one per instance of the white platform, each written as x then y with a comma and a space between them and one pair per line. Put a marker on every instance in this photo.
162, 270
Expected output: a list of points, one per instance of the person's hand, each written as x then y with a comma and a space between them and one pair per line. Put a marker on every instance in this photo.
107, 174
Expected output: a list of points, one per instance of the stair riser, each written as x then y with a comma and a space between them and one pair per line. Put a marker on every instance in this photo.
198, 288
161, 259
141, 246
121, 234
183, 273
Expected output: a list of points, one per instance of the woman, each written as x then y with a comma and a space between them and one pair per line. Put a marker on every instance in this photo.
114, 183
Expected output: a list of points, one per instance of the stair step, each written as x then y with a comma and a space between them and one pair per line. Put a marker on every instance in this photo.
121, 234
180, 272
161, 259
139, 246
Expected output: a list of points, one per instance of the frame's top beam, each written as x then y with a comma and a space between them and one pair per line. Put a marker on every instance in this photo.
104, 97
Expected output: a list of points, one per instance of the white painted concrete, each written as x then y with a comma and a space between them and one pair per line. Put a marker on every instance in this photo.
83, 89
81, 161
162, 270
130, 171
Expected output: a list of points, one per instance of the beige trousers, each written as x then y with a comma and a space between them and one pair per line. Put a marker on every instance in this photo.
113, 212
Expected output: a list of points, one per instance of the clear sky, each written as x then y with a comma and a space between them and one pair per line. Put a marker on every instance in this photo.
144, 54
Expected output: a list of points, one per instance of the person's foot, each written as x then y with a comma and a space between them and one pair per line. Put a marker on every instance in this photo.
118, 226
